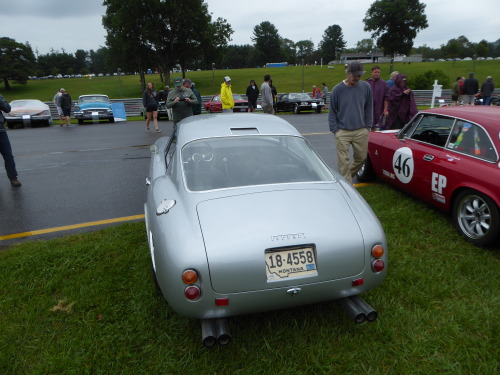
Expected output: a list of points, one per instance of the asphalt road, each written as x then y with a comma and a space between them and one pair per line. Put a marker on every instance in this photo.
82, 178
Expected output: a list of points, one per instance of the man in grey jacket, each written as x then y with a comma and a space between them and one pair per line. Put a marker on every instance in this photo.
5, 147
350, 118
267, 95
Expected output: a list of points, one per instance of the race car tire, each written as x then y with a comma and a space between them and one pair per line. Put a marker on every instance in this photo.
476, 217
366, 172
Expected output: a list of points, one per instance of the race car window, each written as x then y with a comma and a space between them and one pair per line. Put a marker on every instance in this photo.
472, 140
432, 129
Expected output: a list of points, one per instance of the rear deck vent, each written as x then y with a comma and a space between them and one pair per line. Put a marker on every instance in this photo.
244, 131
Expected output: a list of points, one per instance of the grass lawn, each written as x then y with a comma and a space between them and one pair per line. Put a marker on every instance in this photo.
289, 79
86, 304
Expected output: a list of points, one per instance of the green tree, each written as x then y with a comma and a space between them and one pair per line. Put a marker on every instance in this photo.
395, 24
333, 43
126, 22
365, 45
289, 51
267, 43
483, 49
305, 50
17, 61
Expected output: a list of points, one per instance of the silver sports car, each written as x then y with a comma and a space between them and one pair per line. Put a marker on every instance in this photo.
243, 216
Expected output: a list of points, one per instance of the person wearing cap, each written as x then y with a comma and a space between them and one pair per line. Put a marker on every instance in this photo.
226, 95
392, 79
5, 147
380, 93
181, 100
186, 82
402, 104
350, 118
487, 89
57, 103
150, 102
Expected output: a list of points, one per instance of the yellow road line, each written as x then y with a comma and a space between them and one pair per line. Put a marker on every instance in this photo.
75, 226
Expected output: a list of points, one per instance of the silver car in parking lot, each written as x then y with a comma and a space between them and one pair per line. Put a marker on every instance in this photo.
243, 216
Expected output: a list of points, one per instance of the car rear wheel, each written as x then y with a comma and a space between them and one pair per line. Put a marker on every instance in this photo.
296, 109
366, 172
476, 217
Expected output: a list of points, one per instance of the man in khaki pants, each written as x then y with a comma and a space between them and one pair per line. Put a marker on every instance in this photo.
350, 118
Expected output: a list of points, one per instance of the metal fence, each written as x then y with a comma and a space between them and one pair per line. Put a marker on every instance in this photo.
133, 106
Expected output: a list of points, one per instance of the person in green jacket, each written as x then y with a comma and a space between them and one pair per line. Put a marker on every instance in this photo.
181, 100
226, 95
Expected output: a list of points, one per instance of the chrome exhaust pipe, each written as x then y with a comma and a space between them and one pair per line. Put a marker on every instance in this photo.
208, 333
352, 310
222, 329
371, 314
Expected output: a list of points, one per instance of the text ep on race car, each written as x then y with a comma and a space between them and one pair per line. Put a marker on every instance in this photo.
243, 216
448, 157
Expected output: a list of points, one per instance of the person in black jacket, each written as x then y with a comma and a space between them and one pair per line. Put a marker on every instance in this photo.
65, 103
252, 96
150, 102
471, 88
5, 147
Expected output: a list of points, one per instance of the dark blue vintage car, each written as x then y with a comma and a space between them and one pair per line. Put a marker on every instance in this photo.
93, 108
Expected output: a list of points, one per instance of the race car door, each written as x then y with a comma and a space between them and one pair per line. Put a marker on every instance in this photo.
414, 161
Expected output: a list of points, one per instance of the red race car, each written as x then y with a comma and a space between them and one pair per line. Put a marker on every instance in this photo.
215, 104
448, 157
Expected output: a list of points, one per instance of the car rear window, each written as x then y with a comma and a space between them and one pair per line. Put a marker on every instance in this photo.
244, 161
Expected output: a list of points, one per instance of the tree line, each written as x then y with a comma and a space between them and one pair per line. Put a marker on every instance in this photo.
162, 35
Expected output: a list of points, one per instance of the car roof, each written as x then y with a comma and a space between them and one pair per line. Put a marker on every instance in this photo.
234, 124
487, 116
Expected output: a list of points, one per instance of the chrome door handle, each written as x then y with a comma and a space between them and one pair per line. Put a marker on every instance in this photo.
428, 157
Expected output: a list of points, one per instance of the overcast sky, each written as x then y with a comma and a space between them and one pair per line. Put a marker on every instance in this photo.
77, 24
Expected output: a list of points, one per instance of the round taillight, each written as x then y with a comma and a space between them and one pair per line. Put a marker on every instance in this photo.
189, 277
377, 265
378, 251
192, 292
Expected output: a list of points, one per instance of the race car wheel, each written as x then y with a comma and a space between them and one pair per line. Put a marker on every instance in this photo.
366, 172
476, 217
296, 109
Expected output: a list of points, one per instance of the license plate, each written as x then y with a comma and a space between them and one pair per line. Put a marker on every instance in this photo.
290, 263
95, 113
314, 105
26, 117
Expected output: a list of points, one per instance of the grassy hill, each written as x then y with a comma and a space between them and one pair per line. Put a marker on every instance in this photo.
289, 79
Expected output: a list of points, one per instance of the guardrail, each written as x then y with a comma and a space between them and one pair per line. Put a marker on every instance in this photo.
133, 105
